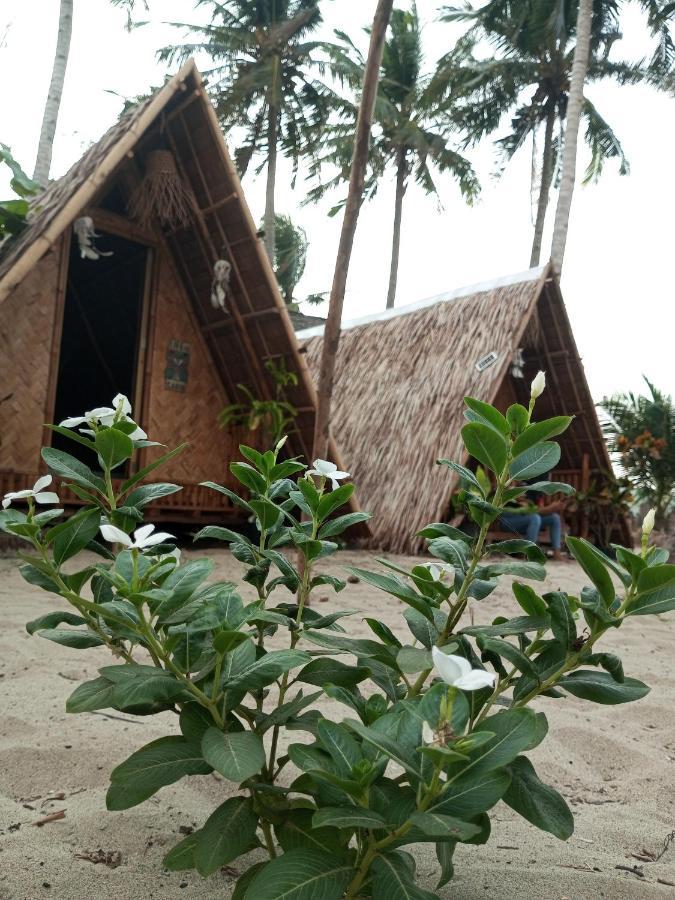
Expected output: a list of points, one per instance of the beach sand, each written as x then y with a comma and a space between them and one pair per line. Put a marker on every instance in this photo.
613, 764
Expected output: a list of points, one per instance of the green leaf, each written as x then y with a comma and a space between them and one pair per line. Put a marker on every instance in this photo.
394, 880
148, 493
333, 500
68, 467
529, 600
249, 477
444, 854
342, 747
593, 566
413, 659
450, 551
397, 588
79, 531
91, 695
228, 832
535, 801
509, 652
521, 569
485, 445
342, 523
385, 745
303, 874
535, 461
144, 684
519, 625
113, 447
540, 431
532, 551
465, 474
181, 857
352, 817
224, 641
562, 621
656, 591
268, 514
267, 669
518, 417
441, 529
52, 619
489, 414
159, 763
467, 796
140, 475
78, 640
514, 730
297, 831
332, 671
438, 826
600, 687
236, 756
552, 487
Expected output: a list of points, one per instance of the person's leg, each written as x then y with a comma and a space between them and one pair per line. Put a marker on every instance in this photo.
526, 524
552, 522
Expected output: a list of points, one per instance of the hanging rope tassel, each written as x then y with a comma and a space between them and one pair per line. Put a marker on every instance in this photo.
162, 194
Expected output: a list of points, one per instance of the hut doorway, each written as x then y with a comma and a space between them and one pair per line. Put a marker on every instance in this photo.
102, 318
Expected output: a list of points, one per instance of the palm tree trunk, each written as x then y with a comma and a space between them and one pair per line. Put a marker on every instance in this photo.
545, 187
401, 174
357, 178
44, 155
574, 108
269, 222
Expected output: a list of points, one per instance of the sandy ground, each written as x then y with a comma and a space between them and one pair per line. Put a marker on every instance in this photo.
612, 763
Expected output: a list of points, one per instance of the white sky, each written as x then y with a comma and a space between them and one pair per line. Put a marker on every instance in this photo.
617, 277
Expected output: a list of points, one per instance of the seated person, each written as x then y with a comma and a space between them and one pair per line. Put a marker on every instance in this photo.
530, 517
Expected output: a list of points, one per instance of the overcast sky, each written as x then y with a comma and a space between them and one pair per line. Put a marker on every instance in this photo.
617, 281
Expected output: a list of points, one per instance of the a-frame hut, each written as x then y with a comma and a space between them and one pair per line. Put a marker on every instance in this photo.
75, 331
400, 382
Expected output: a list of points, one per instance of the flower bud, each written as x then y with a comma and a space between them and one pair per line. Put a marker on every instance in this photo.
538, 385
648, 522
281, 443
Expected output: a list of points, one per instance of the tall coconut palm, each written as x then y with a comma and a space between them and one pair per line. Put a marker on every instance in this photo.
528, 78
410, 133
290, 256
50, 116
265, 80
575, 103
357, 185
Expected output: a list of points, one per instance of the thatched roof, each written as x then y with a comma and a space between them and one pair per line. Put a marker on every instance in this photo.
402, 375
257, 327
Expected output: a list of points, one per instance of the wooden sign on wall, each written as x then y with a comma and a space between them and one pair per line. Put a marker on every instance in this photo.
177, 366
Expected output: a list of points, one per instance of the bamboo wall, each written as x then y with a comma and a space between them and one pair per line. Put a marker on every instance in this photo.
171, 416
27, 325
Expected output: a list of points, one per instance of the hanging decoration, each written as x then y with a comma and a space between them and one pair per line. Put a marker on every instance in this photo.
162, 194
177, 366
85, 233
220, 286
518, 364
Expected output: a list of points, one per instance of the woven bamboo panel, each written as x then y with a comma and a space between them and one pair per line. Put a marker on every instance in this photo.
173, 416
26, 329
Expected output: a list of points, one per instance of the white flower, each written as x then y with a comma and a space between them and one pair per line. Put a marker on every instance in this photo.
538, 385
37, 493
281, 443
120, 411
438, 570
457, 671
648, 522
428, 736
143, 536
324, 469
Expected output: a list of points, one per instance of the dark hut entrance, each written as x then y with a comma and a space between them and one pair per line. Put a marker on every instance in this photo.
101, 328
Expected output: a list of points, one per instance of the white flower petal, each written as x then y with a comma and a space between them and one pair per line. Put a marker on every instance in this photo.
447, 665
648, 522
158, 538
138, 435
42, 482
115, 535
538, 385
6, 502
428, 735
47, 497
121, 404
19, 495
475, 679
99, 413
71, 423
143, 532
323, 467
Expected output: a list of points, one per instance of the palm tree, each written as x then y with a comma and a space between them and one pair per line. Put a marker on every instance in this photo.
641, 431
529, 79
410, 133
50, 117
264, 80
575, 103
290, 256
357, 185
